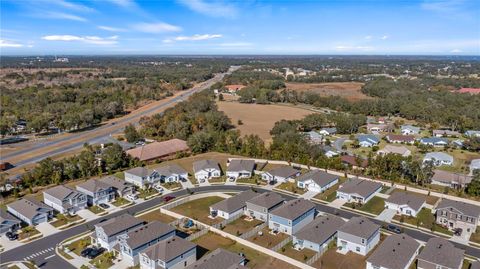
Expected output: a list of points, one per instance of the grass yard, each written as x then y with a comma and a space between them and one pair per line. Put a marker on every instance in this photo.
375, 206
255, 180
79, 245
172, 185
267, 239
64, 219
103, 261
96, 209
299, 255
291, 187
120, 175
27, 232
330, 194
156, 215
424, 219
221, 179
199, 209
241, 226
475, 236
144, 193
121, 202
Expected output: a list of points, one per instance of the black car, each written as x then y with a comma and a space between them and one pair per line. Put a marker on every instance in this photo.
11, 236
458, 231
104, 206
95, 252
85, 252
394, 229
272, 182
102, 220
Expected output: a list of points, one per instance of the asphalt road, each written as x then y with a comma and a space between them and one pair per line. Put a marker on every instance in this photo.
54, 262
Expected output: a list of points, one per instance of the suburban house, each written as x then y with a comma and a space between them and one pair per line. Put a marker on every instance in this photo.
159, 150
240, 169
8, 223
135, 241
353, 161
260, 206
472, 133
400, 139
30, 211
328, 131
281, 174
367, 140
377, 128
171, 253
206, 169
317, 234
434, 141
438, 158
398, 251
405, 203
141, 176
474, 165
455, 214
358, 190
317, 181
119, 187
458, 143
329, 151
234, 88
358, 235
440, 253
97, 192
450, 179
220, 258
314, 137
444, 133
107, 232
232, 206
390, 149
64, 199
409, 129
292, 216
171, 173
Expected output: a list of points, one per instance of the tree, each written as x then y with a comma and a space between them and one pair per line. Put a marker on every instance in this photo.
201, 142
131, 134
474, 187
114, 158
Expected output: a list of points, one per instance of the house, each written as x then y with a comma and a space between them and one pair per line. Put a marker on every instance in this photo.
281, 174
440, 253
444, 133
457, 143
469, 90
409, 129
377, 128
455, 214
400, 139
97, 191
358, 190
329, 151
171, 253
206, 169
434, 141
8, 223
141, 176
328, 131
119, 187
292, 216
234, 88
232, 206
30, 211
314, 137
220, 258
64, 199
358, 235
450, 179
367, 140
159, 150
240, 169
474, 165
135, 241
472, 133
107, 232
390, 149
260, 206
353, 161
318, 234
438, 158
317, 181
398, 251
405, 203
171, 173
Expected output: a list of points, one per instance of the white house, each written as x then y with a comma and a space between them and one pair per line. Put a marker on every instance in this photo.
281, 174
409, 130
438, 158
206, 169
171, 253
359, 235
405, 203
141, 176
30, 211
64, 200
232, 206
328, 131
397, 251
358, 190
434, 141
240, 169
171, 173
317, 181
318, 234
474, 165
368, 140
107, 232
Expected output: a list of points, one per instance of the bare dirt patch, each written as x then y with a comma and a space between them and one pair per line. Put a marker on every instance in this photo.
348, 90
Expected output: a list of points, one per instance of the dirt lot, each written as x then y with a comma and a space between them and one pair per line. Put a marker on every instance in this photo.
259, 119
156, 215
349, 90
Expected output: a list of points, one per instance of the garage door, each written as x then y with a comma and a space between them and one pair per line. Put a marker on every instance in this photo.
313, 187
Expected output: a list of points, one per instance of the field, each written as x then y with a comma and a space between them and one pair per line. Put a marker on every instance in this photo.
156, 215
259, 119
199, 209
348, 90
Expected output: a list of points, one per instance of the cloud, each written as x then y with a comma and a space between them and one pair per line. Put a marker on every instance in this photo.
456, 51
72, 6
123, 3
197, 37
354, 48
61, 15
87, 39
156, 28
213, 9
385, 37
9, 44
111, 29
368, 37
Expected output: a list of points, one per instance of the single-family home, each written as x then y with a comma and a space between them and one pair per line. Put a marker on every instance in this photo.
135, 241
474, 165
390, 149
444, 133
240, 169
260, 206
472, 133
232, 206
171, 173
314, 137
30, 211
171, 253
367, 140
438, 158
400, 139
405, 203
220, 258
398, 251
97, 191
455, 214
354, 161
64, 199
292, 216
317, 234
119, 187
8, 223
440, 253
358, 235
358, 190
317, 181
159, 150
328, 131
377, 128
141, 176
206, 169
458, 143
329, 151
281, 174
409, 129
434, 141
107, 232
234, 88
450, 179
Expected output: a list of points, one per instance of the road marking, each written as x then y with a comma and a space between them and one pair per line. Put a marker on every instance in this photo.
51, 256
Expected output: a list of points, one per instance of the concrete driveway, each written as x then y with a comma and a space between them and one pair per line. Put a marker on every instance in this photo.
337, 203
186, 184
387, 215
309, 195
87, 214
7, 244
46, 229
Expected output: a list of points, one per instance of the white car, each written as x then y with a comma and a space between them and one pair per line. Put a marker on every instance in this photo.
158, 188
132, 196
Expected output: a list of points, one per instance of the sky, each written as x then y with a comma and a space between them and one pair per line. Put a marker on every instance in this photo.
341, 27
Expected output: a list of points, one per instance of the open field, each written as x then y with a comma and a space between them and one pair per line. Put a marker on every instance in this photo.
199, 209
156, 215
348, 90
259, 119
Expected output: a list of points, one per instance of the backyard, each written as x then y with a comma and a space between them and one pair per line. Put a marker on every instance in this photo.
267, 239
240, 226
299, 255
199, 209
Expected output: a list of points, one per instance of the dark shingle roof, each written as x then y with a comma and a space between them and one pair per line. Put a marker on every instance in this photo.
28, 207
168, 249
414, 201
115, 182
236, 202
118, 224
60, 192
320, 229
171, 169
219, 259
360, 186
93, 185
359, 226
205, 164
267, 199
441, 252
465, 208
139, 171
320, 177
284, 171
395, 252
147, 233
4, 215
241, 165
293, 209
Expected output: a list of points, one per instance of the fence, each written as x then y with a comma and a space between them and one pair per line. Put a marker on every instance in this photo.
227, 221
196, 235
253, 231
281, 244
316, 256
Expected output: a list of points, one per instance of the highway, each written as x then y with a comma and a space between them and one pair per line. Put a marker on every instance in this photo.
20, 253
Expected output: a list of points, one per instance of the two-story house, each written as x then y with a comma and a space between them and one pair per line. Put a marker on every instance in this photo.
107, 232
64, 199
318, 234
220, 258
171, 253
119, 186
398, 251
358, 235
260, 206
97, 192
292, 216
141, 176
232, 206
455, 214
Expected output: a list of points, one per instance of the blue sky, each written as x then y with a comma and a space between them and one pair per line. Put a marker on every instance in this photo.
62, 27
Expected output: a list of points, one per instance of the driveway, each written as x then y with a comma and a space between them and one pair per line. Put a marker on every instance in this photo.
339, 143
337, 203
187, 184
309, 195
270, 187
87, 214
386, 215
7, 244
46, 229
204, 184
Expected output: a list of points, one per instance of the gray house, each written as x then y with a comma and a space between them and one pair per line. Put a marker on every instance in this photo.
358, 235
406, 203
232, 206
64, 199
398, 251
409, 129
438, 158
97, 191
292, 216
140, 176
171, 173
450, 179
106, 233
30, 211
317, 234
8, 223
206, 169
259, 206
317, 181
455, 214
119, 187
434, 141
358, 190
240, 169
171, 253
367, 140
281, 174
220, 258
440, 253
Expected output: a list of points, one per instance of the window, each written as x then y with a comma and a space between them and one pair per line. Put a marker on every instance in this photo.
363, 241
357, 249
185, 263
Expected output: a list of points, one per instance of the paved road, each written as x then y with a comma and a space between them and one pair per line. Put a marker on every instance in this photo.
339, 143
39, 245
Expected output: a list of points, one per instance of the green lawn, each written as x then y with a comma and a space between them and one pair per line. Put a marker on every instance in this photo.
475, 236
121, 202
27, 232
299, 255
255, 180
330, 194
96, 209
172, 185
199, 209
103, 261
424, 219
291, 187
79, 245
375, 206
221, 179
120, 175
156, 215
64, 219
144, 193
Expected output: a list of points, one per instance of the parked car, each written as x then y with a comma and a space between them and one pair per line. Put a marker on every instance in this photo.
102, 220
458, 231
132, 196
104, 206
271, 182
86, 251
11, 236
231, 179
168, 198
394, 229
95, 252
158, 188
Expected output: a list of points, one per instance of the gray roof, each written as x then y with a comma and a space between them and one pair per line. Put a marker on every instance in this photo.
441, 252
140, 171
284, 171
293, 209
241, 165
475, 265
320, 177
267, 200
414, 201
147, 233
28, 207
466, 208
5, 216
235, 203
433, 140
169, 249
439, 156
61, 192
171, 169
115, 182
411, 127
329, 130
445, 132
395, 252
361, 187
359, 226
451, 177
219, 259
93, 185
368, 138
475, 164
119, 224
320, 229
205, 164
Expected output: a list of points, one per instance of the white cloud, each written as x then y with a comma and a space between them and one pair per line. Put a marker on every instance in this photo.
72, 6
368, 37
111, 29
61, 15
197, 37
87, 39
123, 3
156, 28
9, 44
456, 51
385, 37
213, 9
